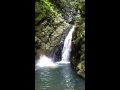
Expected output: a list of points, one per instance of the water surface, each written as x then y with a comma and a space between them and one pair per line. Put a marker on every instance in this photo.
60, 77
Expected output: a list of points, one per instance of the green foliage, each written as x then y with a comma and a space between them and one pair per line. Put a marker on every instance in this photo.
82, 6
45, 8
77, 17
40, 16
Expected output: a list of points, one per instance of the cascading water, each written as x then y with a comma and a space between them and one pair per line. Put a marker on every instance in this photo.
67, 47
56, 53
61, 53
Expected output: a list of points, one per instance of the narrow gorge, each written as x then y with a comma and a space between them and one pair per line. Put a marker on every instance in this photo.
60, 45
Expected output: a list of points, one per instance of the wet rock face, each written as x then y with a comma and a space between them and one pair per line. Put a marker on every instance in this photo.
78, 51
69, 11
67, 7
56, 52
81, 69
48, 35
78, 46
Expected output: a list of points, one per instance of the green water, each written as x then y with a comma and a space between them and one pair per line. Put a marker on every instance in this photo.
61, 77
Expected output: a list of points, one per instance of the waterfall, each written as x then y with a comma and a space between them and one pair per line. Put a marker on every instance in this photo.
60, 53
66, 51
67, 46
56, 53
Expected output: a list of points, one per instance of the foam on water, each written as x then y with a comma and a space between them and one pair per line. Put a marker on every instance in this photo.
44, 61
63, 62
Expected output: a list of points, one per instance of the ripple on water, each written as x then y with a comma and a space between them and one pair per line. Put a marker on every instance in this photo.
60, 78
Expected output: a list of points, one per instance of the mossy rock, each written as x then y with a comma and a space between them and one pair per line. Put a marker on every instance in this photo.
81, 74
81, 66
73, 61
83, 49
82, 57
45, 39
47, 46
81, 69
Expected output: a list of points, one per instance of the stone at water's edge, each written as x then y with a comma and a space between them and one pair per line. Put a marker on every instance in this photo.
81, 69
81, 74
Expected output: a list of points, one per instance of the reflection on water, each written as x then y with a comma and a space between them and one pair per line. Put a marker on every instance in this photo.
62, 77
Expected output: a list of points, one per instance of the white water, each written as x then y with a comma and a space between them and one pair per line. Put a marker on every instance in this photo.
44, 61
67, 46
